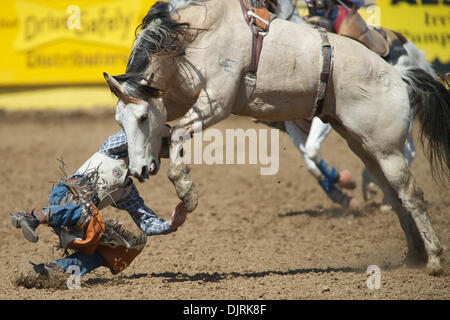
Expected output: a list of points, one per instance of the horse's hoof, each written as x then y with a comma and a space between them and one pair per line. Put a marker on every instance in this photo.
346, 180
190, 198
353, 204
434, 266
385, 208
415, 259
369, 191
190, 204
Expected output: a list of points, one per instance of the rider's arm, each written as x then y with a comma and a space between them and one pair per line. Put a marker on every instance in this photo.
115, 146
144, 217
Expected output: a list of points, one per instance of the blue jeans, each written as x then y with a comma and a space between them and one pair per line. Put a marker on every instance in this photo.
85, 262
62, 215
65, 212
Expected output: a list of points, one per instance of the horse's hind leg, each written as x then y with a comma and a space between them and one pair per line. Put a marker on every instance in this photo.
406, 198
409, 152
392, 174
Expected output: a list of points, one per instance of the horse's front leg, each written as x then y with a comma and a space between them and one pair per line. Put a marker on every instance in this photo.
209, 109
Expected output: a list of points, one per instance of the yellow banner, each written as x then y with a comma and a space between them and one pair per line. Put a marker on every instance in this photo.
47, 42
424, 22
66, 41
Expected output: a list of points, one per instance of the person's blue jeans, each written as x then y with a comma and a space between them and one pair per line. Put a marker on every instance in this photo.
63, 211
85, 262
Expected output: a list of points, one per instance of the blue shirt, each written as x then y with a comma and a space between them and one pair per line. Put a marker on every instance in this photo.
116, 146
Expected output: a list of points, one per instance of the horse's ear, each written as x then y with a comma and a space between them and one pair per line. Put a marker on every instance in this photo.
114, 85
116, 88
150, 78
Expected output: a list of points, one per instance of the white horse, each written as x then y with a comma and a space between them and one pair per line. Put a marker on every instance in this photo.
176, 71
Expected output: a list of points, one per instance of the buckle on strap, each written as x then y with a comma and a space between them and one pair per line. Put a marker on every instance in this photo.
255, 15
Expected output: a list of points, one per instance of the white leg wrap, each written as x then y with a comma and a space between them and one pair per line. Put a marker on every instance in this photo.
299, 137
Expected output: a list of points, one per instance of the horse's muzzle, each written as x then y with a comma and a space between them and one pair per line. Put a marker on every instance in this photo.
147, 171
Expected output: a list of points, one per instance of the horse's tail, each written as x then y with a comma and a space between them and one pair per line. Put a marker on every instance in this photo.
431, 101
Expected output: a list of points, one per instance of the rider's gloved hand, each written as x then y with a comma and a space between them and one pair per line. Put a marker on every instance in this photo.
178, 216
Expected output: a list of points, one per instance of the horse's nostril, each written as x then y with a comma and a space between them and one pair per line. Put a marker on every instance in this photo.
152, 166
144, 171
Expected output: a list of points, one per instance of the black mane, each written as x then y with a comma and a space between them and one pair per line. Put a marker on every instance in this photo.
157, 34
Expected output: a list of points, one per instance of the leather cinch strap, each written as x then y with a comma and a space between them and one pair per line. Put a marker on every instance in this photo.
327, 53
258, 19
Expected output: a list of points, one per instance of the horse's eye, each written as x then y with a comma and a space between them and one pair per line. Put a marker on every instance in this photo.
143, 118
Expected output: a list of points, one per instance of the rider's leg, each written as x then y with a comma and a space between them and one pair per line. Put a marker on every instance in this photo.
77, 264
85, 262
62, 212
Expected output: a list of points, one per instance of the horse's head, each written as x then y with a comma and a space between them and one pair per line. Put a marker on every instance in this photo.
160, 42
140, 112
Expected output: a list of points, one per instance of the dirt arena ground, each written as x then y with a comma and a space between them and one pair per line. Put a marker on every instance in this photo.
251, 237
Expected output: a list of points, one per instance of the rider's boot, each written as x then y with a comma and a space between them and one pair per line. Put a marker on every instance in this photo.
44, 276
28, 222
45, 269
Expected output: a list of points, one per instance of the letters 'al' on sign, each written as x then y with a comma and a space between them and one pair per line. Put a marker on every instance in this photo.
67, 42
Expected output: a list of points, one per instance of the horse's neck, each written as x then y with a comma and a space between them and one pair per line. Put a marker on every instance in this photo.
204, 14
184, 84
175, 108
182, 89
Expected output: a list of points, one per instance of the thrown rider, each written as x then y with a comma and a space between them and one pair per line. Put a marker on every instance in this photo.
73, 213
